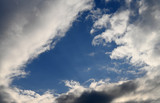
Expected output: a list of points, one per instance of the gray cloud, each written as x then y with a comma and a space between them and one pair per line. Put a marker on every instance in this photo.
5, 97
105, 96
141, 90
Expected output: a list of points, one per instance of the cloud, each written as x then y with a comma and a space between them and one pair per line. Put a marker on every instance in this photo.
140, 90
4, 96
92, 54
99, 96
27, 29
139, 41
115, 26
100, 23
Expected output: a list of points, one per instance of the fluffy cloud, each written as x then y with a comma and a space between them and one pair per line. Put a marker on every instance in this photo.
27, 29
140, 40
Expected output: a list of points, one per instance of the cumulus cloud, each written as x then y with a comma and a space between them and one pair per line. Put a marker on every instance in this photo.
27, 29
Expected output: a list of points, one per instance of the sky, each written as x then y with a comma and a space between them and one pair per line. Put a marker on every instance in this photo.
79, 51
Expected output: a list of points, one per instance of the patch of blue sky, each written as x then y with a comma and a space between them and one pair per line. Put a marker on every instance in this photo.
75, 58
69, 60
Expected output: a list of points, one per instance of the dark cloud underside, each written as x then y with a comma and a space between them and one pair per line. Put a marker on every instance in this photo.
4, 96
100, 96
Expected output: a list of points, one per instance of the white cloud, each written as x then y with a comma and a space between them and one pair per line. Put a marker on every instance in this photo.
92, 54
139, 41
100, 23
118, 24
26, 96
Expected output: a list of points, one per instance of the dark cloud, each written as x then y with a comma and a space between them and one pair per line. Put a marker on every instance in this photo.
69, 98
105, 96
94, 97
4, 96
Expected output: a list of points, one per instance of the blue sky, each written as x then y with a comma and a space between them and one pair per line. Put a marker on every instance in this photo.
69, 60
79, 51
75, 58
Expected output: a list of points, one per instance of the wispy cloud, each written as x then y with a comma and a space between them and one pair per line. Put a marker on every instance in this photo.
92, 54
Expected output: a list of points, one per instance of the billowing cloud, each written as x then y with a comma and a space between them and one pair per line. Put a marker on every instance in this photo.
102, 96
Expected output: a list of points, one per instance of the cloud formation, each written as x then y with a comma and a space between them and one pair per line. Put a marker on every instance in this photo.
30, 28
104, 96
139, 40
